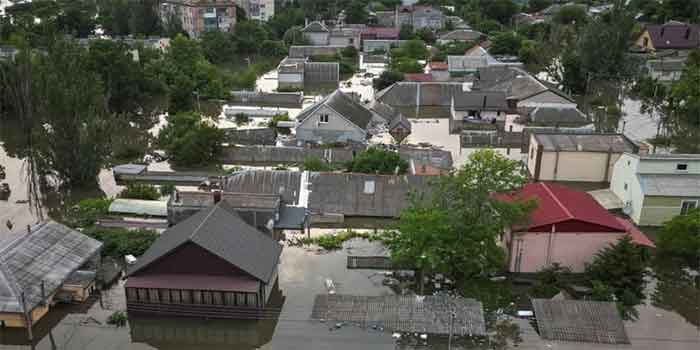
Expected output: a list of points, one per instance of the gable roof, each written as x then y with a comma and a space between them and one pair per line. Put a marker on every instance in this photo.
480, 100
555, 115
347, 107
579, 321
674, 35
220, 231
558, 204
315, 27
616, 143
49, 252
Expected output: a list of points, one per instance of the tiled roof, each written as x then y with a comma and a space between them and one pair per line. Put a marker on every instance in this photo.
219, 230
579, 321
674, 35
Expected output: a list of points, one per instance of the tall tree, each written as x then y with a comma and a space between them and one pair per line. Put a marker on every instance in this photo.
454, 229
680, 239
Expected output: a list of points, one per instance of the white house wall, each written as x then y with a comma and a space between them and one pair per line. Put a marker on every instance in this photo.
576, 166
317, 38
338, 129
625, 173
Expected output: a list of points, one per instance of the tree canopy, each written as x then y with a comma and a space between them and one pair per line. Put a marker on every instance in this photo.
190, 141
378, 161
680, 238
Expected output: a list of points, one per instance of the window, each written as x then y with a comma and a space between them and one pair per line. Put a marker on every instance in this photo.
682, 167
369, 187
625, 186
687, 206
351, 41
324, 118
646, 42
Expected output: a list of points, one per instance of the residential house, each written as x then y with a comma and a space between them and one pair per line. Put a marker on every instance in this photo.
198, 16
345, 36
418, 17
305, 51
379, 33
294, 73
426, 160
672, 35
211, 265
459, 66
575, 157
460, 35
399, 127
521, 88
40, 264
380, 45
654, 188
553, 115
477, 106
567, 227
261, 10
666, 70
562, 321
317, 33
336, 118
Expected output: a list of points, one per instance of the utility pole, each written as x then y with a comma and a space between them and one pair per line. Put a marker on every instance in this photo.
453, 315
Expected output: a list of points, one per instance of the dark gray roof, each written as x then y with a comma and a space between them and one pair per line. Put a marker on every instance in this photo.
321, 73
222, 232
315, 27
235, 200
368, 195
579, 321
129, 169
406, 94
48, 252
286, 99
514, 81
345, 106
563, 115
676, 185
385, 111
283, 155
478, 100
400, 120
301, 51
284, 183
616, 143
292, 65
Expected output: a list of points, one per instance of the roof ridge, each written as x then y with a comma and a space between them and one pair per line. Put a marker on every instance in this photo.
556, 200
209, 214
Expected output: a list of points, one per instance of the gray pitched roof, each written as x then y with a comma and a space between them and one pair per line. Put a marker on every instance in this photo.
406, 94
219, 230
48, 252
580, 321
477, 100
429, 156
344, 105
400, 120
616, 143
677, 185
315, 27
385, 111
284, 183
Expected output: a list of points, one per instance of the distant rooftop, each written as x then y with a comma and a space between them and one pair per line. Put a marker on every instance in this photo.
579, 321
616, 143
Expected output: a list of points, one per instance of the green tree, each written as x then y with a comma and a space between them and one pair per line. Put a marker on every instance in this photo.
406, 65
619, 269
415, 49
454, 228
571, 14
273, 48
316, 164
427, 35
406, 32
189, 141
386, 79
500, 10
119, 242
356, 13
378, 161
680, 239
249, 36
538, 5
684, 123
278, 118
506, 43
489, 26
550, 280
218, 47
294, 36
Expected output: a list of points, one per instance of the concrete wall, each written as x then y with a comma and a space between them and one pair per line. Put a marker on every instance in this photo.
530, 250
657, 210
652, 166
317, 38
290, 80
345, 41
577, 166
625, 184
338, 129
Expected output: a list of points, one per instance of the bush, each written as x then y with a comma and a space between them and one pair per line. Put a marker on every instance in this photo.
379, 161
349, 52
118, 242
166, 190
549, 281
315, 164
87, 211
680, 239
278, 118
406, 65
140, 191
117, 318
333, 241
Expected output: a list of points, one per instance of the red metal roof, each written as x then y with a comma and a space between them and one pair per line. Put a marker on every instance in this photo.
199, 282
381, 33
637, 236
569, 210
418, 77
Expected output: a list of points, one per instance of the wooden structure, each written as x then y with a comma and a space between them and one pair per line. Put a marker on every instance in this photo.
211, 265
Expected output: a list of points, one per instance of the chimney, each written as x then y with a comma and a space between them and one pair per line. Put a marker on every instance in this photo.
217, 196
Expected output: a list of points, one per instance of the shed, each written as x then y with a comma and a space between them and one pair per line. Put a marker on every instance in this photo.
139, 207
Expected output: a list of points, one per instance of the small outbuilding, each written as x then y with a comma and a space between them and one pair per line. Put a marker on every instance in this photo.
580, 321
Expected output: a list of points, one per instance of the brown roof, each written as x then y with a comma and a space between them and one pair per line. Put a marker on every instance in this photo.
674, 35
438, 65
420, 77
